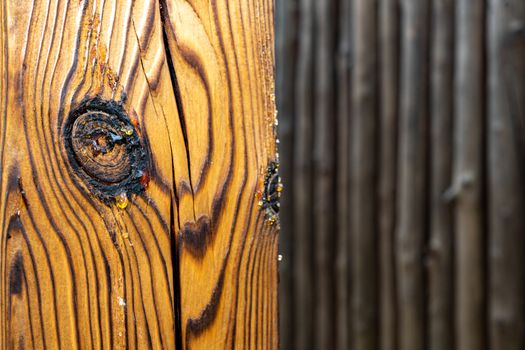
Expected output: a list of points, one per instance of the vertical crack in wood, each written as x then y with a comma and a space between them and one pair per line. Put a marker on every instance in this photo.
176, 91
175, 251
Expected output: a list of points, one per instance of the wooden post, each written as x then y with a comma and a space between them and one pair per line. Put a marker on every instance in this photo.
139, 178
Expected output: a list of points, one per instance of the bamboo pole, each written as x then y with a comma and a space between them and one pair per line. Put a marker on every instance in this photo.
389, 113
303, 265
324, 172
364, 176
468, 175
412, 178
440, 267
343, 264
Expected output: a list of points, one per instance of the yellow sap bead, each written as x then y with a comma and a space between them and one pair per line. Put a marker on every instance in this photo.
128, 130
122, 200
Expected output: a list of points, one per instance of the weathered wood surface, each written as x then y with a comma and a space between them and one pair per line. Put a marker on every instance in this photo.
190, 260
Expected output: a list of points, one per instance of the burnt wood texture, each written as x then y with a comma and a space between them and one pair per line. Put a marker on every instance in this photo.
139, 178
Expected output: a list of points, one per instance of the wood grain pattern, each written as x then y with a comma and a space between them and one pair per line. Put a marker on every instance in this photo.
191, 262
222, 56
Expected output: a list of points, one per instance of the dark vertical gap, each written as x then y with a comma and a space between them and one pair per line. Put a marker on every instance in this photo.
176, 91
175, 251
451, 204
428, 178
286, 45
485, 178
176, 280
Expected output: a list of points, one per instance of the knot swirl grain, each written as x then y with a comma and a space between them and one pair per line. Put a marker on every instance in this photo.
104, 149
271, 196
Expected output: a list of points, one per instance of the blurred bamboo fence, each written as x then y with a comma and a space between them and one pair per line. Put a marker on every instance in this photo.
402, 129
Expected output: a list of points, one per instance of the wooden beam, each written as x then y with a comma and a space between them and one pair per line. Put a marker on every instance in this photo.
137, 140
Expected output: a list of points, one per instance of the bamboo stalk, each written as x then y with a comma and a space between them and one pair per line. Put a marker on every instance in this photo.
440, 267
304, 330
324, 172
468, 172
412, 180
364, 177
343, 319
389, 61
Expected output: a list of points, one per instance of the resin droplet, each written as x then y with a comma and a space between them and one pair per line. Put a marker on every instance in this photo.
122, 200
128, 130
125, 235
279, 187
279, 257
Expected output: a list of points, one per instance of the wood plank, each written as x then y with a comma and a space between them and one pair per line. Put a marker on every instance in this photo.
136, 142
506, 148
221, 57
84, 273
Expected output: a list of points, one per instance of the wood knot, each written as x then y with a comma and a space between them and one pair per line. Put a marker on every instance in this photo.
271, 196
104, 149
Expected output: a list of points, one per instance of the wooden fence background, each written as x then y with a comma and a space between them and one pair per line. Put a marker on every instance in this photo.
402, 129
